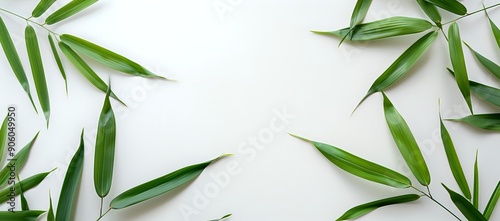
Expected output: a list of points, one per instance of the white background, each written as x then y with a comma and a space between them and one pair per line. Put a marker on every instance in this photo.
235, 69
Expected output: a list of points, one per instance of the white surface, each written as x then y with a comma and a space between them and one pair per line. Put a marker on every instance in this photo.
234, 71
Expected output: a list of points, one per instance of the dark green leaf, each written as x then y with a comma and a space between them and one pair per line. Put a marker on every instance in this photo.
468, 210
359, 12
452, 6
483, 121
69, 10
71, 182
458, 62
475, 195
160, 185
487, 93
50, 213
406, 143
363, 209
17, 162
24, 202
491, 66
42, 7
21, 215
25, 184
494, 28
431, 11
3, 136
492, 202
222, 218
58, 61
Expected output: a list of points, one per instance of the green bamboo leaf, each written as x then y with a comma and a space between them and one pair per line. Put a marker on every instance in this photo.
475, 196
452, 6
458, 62
468, 210
402, 64
492, 202
160, 185
68, 10
50, 213
71, 181
406, 143
485, 92
389, 27
454, 161
24, 202
37, 70
366, 208
491, 66
85, 70
431, 11
3, 136
483, 121
26, 184
222, 218
107, 57
42, 7
360, 167
17, 162
21, 215
14, 60
105, 149
494, 28
359, 12
58, 61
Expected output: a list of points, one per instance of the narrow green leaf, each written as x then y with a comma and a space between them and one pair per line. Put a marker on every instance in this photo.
402, 64
389, 27
431, 11
458, 62
71, 182
68, 10
50, 213
491, 66
487, 93
222, 218
452, 6
42, 7
17, 162
359, 12
483, 121
14, 60
26, 184
107, 57
454, 161
37, 70
406, 143
21, 215
492, 202
105, 149
360, 167
24, 202
475, 195
494, 28
58, 61
85, 70
468, 210
366, 208
3, 136
160, 185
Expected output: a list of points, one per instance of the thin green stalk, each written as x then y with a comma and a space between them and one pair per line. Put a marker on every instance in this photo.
435, 201
100, 217
29, 20
100, 213
469, 14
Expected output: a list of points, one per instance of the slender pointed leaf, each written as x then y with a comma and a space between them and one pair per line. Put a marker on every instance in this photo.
431, 11
483, 121
494, 28
485, 92
490, 207
42, 7
25, 184
458, 62
389, 27
366, 208
65, 205
468, 210
36, 63
107, 57
452, 6
475, 195
406, 143
14, 60
454, 161
360, 167
491, 66
160, 185
69, 10
222, 218
50, 213
17, 162
21, 215
24, 202
58, 61
3, 136
359, 12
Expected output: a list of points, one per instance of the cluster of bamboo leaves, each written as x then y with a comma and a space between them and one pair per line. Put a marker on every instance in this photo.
467, 199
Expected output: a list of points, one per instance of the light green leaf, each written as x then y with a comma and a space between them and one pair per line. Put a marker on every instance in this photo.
366, 208
494, 28
160, 185
487, 93
406, 143
105, 149
454, 161
50, 213
14, 60
431, 11
42, 7
68, 10
58, 61
71, 181
37, 70
475, 195
468, 210
389, 27
3, 136
490, 207
107, 57
26, 184
359, 12
483, 121
452, 6
458, 62
21, 215
17, 162
491, 66
85, 70
360, 167
222, 218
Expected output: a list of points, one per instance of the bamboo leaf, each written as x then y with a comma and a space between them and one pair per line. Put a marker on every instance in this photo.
17, 162
359, 12
494, 28
458, 62
483, 121
487, 93
491, 66
363, 209
50, 213
468, 210
68, 10
105, 149
26, 184
21, 215
402, 64
24, 201
475, 195
360, 167
222, 218
42, 7
85, 70
492, 202
37, 70
431, 11
160, 185
58, 61
14, 60
454, 161
452, 6
3, 136
107, 57
406, 143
